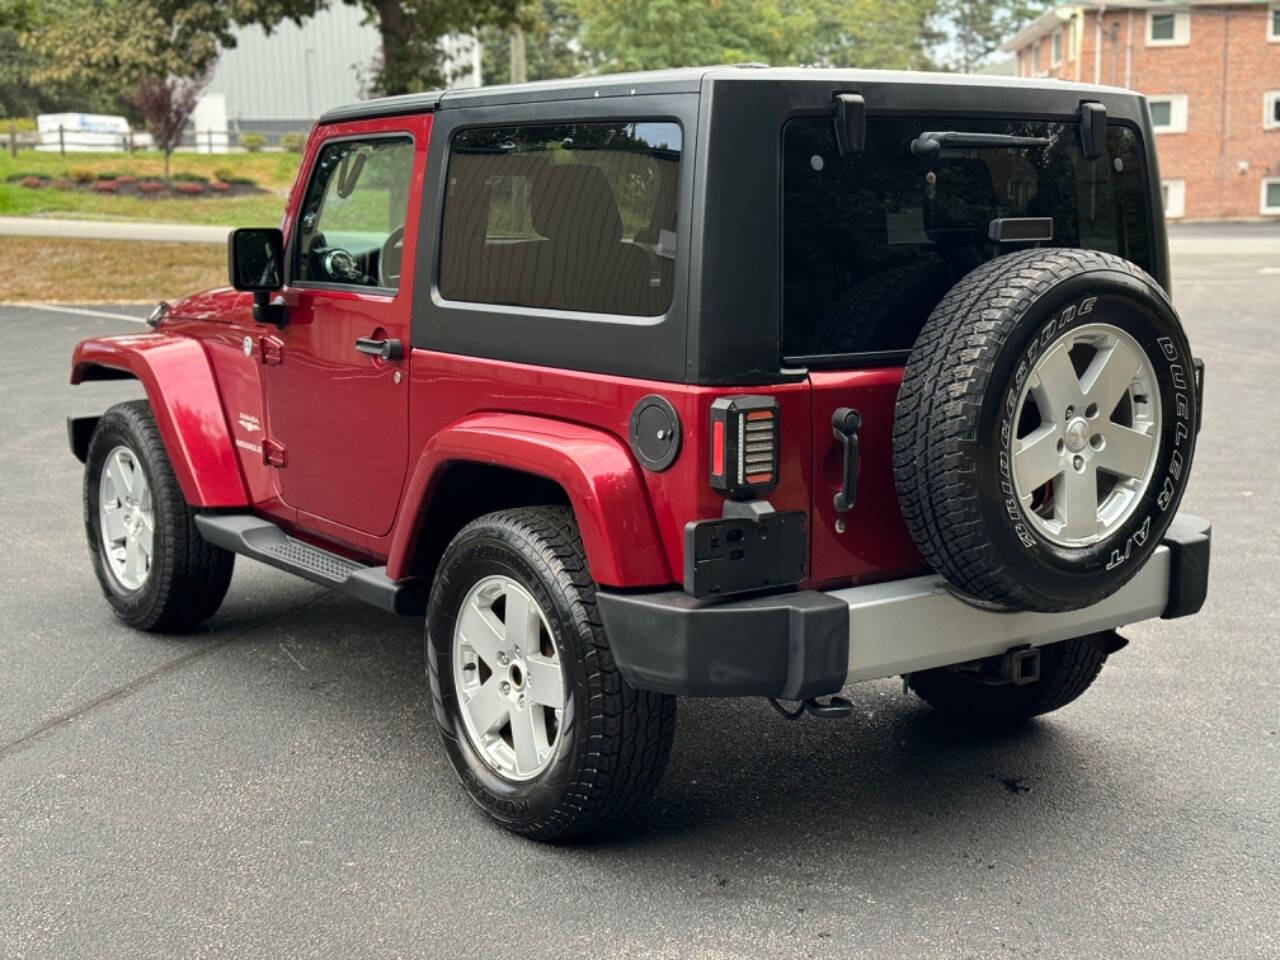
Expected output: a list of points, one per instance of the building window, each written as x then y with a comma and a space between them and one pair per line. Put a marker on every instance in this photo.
1173, 194
1273, 24
1169, 113
1271, 194
1056, 50
1271, 110
1171, 29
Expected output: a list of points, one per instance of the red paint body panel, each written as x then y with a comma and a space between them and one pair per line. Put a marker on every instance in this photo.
447, 388
875, 544
175, 373
593, 468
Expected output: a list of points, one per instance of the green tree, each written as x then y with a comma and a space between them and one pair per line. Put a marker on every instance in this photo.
651, 34
411, 57
975, 29
551, 30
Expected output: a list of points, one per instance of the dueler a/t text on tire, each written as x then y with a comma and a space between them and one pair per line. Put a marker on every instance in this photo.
537, 721
1044, 429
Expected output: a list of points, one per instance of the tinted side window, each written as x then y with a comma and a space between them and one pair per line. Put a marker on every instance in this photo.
578, 216
351, 230
871, 243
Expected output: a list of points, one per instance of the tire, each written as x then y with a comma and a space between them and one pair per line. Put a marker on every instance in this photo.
186, 578
606, 748
1067, 669
972, 402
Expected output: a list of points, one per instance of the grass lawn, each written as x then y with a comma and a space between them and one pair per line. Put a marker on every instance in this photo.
102, 271
272, 172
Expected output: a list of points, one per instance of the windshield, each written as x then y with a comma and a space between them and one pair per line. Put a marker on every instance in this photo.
872, 242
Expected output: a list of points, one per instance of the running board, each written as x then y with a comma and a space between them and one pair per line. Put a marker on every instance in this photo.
264, 541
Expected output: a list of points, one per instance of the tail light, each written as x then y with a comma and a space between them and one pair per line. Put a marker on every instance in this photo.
744, 446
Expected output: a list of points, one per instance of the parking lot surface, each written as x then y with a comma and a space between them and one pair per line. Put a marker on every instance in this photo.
273, 786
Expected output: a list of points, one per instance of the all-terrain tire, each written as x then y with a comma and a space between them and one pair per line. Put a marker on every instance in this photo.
188, 577
953, 417
1067, 669
612, 742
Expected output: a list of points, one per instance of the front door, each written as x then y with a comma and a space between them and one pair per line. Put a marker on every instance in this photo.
337, 411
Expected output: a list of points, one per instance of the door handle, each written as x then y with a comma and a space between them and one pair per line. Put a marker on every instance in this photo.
385, 349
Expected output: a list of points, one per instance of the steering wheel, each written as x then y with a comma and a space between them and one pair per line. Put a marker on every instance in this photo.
389, 259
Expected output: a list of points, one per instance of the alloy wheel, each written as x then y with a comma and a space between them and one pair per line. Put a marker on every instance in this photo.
1088, 435
508, 678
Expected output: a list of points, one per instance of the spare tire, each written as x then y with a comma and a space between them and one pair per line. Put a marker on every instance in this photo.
1044, 429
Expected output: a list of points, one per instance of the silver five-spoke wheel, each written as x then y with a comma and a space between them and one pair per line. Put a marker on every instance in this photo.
508, 678
1088, 435
127, 518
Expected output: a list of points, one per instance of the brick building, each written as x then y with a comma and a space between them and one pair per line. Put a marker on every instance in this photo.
1211, 71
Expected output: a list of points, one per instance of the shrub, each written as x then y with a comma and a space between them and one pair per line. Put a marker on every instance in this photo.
253, 142
190, 176
291, 141
150, 186
191, 187
225, 174
23, 175
104, 186
220, 186
125, 179
31, 181
82, 174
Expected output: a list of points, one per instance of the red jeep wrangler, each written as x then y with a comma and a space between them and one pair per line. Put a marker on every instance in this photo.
714, 382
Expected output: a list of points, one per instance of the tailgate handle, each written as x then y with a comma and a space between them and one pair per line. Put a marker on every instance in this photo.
844, 425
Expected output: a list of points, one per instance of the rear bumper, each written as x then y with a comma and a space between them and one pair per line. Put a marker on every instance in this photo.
806, 643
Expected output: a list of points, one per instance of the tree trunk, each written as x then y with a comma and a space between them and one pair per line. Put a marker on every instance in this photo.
393, 27
168, 152
519, 74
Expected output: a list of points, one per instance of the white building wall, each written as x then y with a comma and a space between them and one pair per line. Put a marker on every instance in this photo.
292, 75
296, 73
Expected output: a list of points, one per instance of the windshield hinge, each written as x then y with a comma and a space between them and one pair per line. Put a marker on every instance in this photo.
271, 350
1093, 128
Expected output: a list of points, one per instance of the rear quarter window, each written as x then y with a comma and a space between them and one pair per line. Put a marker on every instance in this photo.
573, 216
871, 243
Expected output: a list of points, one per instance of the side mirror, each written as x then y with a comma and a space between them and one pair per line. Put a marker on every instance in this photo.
255, 261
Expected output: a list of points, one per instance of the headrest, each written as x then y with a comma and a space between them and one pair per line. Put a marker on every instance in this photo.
575, 201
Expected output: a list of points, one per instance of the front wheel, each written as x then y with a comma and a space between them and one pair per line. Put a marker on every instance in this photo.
539, 725
155, 569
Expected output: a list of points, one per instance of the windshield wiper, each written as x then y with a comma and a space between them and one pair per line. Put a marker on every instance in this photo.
931, 141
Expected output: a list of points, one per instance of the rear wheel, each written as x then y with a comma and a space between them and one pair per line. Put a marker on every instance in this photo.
539, 725
1067, 670
155, 569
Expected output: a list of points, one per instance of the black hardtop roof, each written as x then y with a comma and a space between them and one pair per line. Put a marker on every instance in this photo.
682, 80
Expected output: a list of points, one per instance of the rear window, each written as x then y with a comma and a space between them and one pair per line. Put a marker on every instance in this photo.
871, 243
578, 216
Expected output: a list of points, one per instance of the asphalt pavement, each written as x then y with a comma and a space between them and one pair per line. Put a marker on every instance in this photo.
273, 786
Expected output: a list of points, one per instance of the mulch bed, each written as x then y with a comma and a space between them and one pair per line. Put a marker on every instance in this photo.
145, 186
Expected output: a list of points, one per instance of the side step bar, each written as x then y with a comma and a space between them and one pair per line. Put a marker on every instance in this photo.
263, 540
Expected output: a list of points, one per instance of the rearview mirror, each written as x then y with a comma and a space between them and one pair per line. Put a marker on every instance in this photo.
255, 256
255, 259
